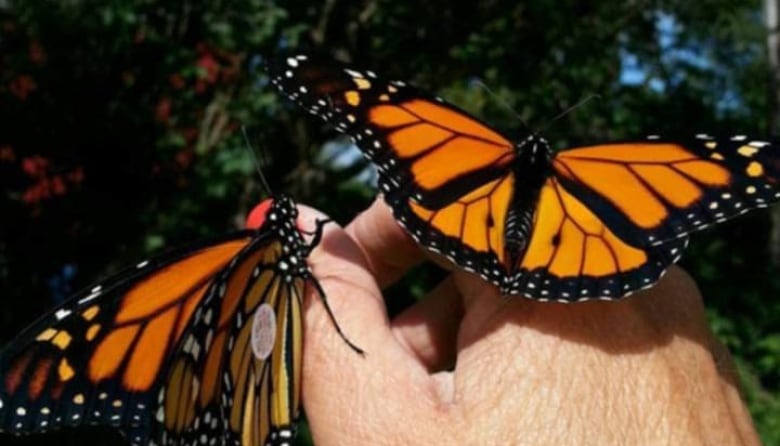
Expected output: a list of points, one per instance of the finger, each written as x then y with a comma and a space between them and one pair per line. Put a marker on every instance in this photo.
429, 328
387, 248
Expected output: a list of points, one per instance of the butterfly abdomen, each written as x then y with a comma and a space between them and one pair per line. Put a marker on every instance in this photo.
531, 167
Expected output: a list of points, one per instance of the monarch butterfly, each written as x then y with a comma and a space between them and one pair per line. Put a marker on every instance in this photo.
589, 222
201, 345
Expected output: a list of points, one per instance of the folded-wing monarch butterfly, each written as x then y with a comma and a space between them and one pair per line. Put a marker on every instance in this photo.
201, 345
589, 222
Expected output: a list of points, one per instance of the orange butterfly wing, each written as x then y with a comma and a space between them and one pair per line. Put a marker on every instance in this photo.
264, 393
446, 175
217, 386
573, 255
462, 189
98, 357
166, 350
654, 191
428, 136
614, 216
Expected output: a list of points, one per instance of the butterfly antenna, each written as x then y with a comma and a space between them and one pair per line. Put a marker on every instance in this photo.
560, 115
255, 159
501, 101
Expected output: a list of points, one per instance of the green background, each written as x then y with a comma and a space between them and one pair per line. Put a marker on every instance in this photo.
119, 127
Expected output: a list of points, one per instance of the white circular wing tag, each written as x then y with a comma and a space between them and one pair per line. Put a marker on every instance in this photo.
263, 331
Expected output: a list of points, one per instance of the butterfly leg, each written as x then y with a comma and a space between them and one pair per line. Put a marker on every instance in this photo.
316, 238
332, 317
317, 233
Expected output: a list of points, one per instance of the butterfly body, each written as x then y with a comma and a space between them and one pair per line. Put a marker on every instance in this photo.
592, 222
201, 345
531, 168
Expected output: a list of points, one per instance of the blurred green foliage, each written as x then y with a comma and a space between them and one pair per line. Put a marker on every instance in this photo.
119, 118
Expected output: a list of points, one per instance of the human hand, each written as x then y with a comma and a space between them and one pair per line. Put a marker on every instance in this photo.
642, 371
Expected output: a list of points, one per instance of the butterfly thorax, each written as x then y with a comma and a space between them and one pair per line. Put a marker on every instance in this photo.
280, 220
531, 168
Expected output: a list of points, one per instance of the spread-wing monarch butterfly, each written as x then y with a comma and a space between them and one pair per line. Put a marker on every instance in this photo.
201, 345
589, 222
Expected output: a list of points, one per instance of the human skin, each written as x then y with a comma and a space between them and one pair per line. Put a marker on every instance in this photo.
467, 366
